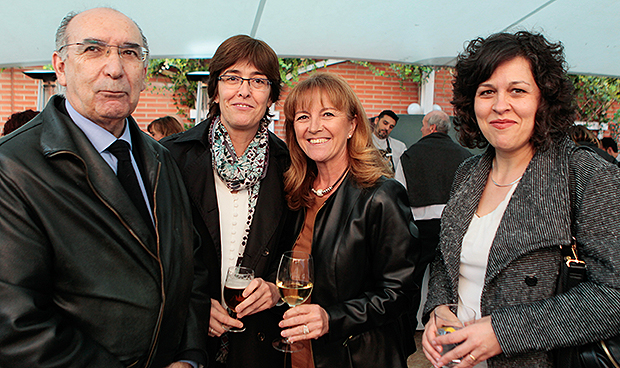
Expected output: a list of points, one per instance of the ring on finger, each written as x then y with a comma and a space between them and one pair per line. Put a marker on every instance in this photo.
473, 358
306, 330
211, 330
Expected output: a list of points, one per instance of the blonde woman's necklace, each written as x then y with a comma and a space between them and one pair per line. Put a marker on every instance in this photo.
322, 192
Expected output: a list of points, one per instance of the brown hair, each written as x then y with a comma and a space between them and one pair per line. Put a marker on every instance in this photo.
18, 119
242, 48
582, 135
166, 126
365, 161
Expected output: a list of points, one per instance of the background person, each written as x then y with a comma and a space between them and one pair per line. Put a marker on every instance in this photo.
163, 127
87, 279
356, 224
391, 148
18, 119
427, 170
233, 168
510, 210
582, 136
610, 145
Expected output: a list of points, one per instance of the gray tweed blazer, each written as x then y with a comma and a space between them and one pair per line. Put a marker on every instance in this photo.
519, 293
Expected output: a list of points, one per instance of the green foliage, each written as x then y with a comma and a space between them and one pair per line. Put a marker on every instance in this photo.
184, 91
403, 72
290, 67
594, 97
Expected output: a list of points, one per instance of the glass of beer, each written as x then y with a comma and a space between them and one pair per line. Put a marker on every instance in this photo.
449, 318
294, 281
237, 279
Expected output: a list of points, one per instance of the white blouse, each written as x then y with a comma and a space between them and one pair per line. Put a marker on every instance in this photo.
475, 255
233, 211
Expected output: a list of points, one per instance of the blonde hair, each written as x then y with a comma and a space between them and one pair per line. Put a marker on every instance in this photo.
366, 165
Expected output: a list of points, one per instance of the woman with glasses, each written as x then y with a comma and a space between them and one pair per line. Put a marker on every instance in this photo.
233, 168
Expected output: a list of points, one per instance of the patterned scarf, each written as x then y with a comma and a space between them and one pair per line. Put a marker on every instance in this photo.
242, 172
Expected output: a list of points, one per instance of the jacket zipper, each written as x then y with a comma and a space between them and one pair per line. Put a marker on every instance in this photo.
161, 271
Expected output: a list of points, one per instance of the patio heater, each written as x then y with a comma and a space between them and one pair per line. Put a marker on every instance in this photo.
201, 97
47, 86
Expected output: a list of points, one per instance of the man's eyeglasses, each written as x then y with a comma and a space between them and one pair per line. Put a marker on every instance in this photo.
93, 49
236, 81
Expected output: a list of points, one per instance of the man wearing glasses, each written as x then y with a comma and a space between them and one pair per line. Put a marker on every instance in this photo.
97, 243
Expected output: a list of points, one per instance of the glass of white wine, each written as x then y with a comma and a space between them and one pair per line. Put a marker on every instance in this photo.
294, 281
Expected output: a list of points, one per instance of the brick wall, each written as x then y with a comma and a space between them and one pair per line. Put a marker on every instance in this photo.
155, 102
443, 89
19, 92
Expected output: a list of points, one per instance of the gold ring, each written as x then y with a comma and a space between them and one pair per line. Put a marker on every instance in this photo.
473, 358
211, 330
306, 330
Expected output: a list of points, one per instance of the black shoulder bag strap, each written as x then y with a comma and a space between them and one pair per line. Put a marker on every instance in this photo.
573, 270
604, 353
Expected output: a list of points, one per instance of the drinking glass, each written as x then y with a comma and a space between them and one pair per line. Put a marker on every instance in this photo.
294, 282
449, 318
237, 279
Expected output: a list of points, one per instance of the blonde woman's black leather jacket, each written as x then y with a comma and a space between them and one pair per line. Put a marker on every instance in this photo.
83, 282
365, 255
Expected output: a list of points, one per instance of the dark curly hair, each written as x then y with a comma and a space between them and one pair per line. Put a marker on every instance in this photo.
478, 62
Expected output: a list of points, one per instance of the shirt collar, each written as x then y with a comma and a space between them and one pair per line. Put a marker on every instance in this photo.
98, 136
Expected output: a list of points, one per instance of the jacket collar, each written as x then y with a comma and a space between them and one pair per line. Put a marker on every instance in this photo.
435, 135
61, 137
201, 190
537, 216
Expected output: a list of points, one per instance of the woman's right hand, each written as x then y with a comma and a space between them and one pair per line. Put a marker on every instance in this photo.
304, 322
430, 332
220, 320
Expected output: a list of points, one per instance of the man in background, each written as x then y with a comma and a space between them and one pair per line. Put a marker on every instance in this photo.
427, 170
97, 243
390, 148
610, 145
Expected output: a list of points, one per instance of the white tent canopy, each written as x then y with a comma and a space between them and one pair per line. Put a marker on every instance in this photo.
404, 31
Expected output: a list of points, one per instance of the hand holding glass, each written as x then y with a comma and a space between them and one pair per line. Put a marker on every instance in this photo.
449, 318
237, 279
294, 282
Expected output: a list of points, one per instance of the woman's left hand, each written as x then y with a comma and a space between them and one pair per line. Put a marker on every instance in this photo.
259, 296
305, 322
477, 343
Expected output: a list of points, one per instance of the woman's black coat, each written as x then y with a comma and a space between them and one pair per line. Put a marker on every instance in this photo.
191, 150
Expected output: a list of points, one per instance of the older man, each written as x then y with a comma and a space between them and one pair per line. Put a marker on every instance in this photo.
97, 243
427, 170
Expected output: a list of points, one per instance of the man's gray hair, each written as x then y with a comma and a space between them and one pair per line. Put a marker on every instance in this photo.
439, 119
62, 38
